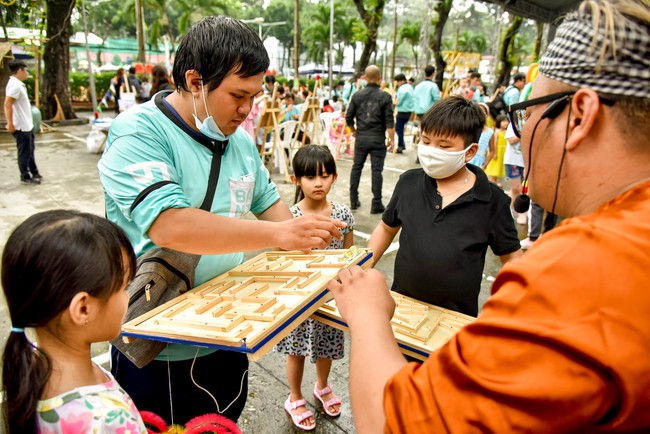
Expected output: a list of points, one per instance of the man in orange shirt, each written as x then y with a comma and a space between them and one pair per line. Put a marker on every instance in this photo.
563, 344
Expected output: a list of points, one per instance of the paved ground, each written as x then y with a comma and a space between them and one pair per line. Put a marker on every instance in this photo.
70, 181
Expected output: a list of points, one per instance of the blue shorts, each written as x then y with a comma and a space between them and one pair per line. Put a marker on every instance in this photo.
514, 172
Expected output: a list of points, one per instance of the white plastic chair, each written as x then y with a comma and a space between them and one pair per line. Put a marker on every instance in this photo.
326, 126
286, 131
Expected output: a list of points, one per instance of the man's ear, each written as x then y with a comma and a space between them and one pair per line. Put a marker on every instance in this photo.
80, 308
585, 109
193, 80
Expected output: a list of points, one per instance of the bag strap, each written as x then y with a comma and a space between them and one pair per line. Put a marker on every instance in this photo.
213, 179
216, 146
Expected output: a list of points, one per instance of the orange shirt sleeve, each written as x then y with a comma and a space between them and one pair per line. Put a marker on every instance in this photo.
537, 359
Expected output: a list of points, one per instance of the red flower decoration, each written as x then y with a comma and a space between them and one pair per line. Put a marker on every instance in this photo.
211, 423
153, 421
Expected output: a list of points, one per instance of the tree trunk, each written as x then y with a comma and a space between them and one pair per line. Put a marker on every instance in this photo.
442, 8
424, 37
56, 80
296, 42
538, 41
392, 57
415, 57
139, 25
505, 48
371, 19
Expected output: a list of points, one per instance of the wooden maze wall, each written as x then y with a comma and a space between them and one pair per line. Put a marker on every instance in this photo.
250, 308
419, 328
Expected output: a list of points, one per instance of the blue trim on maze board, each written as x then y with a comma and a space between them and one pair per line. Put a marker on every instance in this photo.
243, 348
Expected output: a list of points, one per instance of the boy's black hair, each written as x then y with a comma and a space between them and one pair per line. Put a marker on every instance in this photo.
429, 70
269, 78
518, 77
312, 160
400, 77
455, 116
16, 65
217, 47
475, 74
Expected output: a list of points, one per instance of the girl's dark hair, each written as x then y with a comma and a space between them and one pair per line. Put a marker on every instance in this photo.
217, 47
455, 116
47, 260
312, 160
499, 119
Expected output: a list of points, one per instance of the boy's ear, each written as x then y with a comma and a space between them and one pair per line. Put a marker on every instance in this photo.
471, 152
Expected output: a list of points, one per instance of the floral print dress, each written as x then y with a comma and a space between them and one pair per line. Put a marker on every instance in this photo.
313, 338
101, 408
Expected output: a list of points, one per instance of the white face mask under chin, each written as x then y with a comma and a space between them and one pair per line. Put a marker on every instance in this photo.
440, 164
208, 127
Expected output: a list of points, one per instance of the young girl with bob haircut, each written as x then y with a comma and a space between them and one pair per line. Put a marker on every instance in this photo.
314, 174
64, 275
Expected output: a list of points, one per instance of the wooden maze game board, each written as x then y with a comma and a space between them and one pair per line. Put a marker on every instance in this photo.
252, 307
419, 328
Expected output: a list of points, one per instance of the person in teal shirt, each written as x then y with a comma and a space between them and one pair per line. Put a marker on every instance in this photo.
154, 173
405, 107
513, 92
426, 93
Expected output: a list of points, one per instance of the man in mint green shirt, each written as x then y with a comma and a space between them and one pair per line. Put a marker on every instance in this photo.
155, 175
426, 93
405, 107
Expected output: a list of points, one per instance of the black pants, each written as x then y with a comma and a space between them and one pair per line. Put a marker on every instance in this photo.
401, 120
149, 387
377, 150
26, 161
538, 219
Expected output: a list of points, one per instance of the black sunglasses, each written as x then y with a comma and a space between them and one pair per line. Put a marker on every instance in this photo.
517, 112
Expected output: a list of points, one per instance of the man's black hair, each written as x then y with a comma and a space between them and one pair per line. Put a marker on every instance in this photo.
216, 47
269, 78
341, 83
429, 70
16, 65
132, 70
518, 76
400, 77
475, 74
455, 116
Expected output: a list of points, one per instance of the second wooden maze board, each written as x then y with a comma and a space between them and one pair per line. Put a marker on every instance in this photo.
419, 328
251, 307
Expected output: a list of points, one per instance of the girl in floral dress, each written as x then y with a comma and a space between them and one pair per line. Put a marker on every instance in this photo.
314, 173
64, 275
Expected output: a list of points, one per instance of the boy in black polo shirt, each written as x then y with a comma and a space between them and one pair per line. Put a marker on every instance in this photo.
449, 214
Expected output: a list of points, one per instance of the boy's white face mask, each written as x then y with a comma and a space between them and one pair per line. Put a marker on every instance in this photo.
440, 164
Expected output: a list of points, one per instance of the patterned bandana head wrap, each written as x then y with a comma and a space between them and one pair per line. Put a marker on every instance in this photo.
619, 68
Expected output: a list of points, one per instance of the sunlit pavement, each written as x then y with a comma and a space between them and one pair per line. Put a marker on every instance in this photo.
70, 181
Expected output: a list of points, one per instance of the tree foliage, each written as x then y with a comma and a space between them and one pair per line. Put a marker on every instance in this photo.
410, 32
371, 13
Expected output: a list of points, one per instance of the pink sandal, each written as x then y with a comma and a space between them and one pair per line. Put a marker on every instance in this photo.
298, 419
327, 404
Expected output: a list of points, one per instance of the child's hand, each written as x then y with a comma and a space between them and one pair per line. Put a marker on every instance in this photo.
308, 232
361, 295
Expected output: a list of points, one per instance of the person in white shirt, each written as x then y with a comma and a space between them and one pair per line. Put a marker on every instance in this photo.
19, 122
